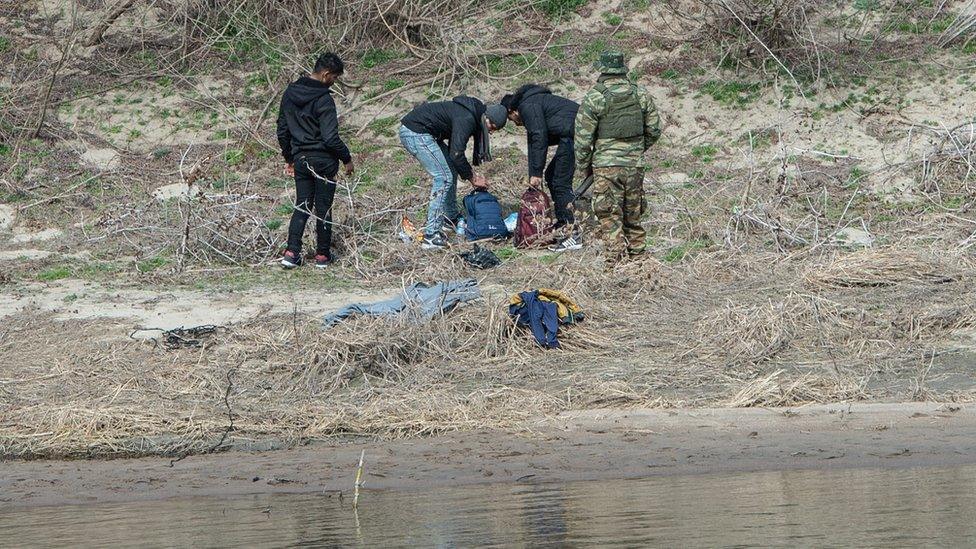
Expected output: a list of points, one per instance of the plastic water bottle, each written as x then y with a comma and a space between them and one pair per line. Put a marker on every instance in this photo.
460, 227
511, 222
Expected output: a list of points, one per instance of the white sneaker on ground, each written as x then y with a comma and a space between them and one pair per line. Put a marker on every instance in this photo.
573, 243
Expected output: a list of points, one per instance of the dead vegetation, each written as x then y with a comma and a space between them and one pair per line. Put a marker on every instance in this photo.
749, 298
287, 381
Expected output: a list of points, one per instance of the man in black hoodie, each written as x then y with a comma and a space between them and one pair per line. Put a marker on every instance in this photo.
437, 134
308, 132
549, 120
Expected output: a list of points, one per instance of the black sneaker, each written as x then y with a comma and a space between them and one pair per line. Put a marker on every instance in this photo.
573, 243
437, 241
322, 261
291, 260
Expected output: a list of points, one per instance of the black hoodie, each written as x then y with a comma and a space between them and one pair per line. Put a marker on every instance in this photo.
307, 123
547, 119
454, 121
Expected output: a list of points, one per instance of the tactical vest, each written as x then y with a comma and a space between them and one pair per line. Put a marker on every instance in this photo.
623, 117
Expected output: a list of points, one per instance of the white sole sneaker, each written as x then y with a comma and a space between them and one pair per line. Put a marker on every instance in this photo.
562, 248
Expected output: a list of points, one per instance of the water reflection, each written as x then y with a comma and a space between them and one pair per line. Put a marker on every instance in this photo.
866, 508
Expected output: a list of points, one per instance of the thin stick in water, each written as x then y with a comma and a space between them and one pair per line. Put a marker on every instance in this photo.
359, 479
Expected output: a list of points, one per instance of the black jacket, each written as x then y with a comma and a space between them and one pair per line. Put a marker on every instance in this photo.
547, 119
456, 122
307, 122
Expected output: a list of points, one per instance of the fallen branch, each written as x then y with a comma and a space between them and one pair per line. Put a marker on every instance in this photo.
96, 35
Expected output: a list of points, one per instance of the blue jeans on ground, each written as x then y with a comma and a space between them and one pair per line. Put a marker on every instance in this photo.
432, 155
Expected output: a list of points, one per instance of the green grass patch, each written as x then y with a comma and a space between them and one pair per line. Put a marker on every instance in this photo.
705, 152
760, 139
508, 252
560, 9
855, 176
273, 224
867, 5
612, 19
151, 264
374, 57
54, 273
384, 125
524, 60
687, 249
670, 74
234, 156
557, 52
394, 84
95, 268
953, 202
591, 51
732, 93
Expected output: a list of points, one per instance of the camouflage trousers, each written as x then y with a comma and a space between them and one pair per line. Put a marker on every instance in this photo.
618, 205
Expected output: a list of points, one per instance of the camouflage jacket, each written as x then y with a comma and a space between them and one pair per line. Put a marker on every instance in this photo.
602, 153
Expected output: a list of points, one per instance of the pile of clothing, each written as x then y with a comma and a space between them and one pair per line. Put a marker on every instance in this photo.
543, 311
420, 301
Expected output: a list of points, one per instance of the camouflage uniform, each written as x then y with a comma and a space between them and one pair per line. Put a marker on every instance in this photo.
617, 162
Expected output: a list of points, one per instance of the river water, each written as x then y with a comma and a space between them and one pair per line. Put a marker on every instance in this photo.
860, 507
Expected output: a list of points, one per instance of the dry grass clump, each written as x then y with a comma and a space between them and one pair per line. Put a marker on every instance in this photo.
229, 229
742, 337
887, 267
226, 229
775, 391
276, 382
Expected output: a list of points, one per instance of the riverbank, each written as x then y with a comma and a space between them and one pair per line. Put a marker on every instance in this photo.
598, 444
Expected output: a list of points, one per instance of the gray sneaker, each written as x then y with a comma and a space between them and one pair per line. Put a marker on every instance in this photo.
573, 243
434, 242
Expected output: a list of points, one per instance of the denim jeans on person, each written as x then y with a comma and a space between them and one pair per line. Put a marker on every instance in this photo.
313, 194
432, 155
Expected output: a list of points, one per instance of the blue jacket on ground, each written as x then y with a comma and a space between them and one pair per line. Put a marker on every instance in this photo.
540, 316
483, 216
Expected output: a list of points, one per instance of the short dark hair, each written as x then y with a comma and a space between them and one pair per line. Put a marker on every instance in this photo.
329, 62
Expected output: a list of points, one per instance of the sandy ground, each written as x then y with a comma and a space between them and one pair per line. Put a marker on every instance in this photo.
165, 310
574, 446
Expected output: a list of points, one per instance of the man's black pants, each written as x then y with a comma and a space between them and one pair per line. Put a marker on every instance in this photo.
313, 194
559, 178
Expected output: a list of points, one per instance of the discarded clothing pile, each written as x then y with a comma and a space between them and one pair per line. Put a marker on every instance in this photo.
542, 311
482, 258
421, 301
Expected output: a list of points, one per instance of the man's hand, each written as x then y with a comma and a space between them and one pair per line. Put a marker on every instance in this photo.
290, 169
479, 181
588, 172
535, 182
350, 168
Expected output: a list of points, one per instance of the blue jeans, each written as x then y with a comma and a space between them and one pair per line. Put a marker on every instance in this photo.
432, 155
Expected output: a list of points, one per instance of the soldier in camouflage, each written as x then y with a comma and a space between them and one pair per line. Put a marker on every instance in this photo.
617, 122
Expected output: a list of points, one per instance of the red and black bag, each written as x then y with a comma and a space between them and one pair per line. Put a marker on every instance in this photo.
534, 227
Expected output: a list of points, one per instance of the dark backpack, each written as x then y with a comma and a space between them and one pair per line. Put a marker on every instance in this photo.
534, 219
483, 216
